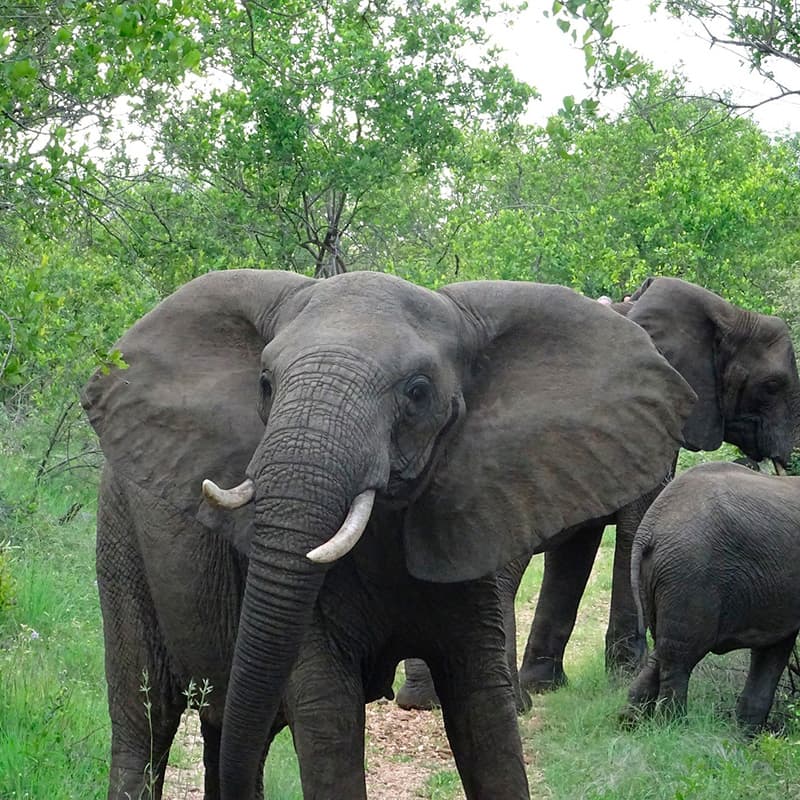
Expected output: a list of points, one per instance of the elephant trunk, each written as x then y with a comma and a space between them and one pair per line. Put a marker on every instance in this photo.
306, 481
276, 611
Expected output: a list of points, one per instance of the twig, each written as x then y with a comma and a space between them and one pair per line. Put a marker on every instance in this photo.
40, 472
10, 342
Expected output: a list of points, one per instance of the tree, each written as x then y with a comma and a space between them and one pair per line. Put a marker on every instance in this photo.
670, 187
765, 32
318, 110
65, 66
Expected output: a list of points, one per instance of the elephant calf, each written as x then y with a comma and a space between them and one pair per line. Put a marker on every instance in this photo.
716, 567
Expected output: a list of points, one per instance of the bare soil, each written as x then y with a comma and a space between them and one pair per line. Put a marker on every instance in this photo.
404, 748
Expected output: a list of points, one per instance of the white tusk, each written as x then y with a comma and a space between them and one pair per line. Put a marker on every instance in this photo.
779, 470
345, 539
229, 499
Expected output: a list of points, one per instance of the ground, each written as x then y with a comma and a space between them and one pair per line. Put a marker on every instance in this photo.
405, 748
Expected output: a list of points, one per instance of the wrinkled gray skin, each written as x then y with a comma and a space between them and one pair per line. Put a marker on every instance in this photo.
460, 408
716, 565
742, 367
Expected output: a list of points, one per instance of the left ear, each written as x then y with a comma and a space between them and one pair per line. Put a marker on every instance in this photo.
571, 413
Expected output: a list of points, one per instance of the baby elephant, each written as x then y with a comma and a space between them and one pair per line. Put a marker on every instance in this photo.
716, 567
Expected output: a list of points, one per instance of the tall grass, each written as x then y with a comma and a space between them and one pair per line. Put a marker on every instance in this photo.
54, 731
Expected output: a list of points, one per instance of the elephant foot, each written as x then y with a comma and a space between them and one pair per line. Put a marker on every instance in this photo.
632, 715
545, 674
524, 701
417, 697
625, 657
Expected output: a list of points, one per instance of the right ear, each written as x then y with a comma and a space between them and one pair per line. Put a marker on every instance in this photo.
684, 321
185, 408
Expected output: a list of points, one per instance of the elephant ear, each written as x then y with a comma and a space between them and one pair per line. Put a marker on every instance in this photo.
686, 323
185, 408
571, 414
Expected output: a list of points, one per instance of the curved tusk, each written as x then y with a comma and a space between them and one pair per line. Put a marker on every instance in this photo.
345, 539
229, 499
779, 469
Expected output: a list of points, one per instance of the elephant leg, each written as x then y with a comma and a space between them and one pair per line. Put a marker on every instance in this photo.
766, 667
325, 708
212, 737
139, 753
418, 691
626, 645
673, 685
643, 692
472, 679
508, 581
144, 705
566, 572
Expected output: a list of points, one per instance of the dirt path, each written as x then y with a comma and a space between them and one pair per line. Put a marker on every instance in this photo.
404, 749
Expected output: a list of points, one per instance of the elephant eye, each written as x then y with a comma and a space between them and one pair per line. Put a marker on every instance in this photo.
266, 385
419, 391
772, 385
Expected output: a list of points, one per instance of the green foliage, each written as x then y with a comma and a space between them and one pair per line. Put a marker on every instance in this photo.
765, 32
65, 64
670, 187
53, 719
323, 110
443, 785
62, 312
6, 581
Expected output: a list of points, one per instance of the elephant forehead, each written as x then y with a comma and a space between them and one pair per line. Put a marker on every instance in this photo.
365, 296
385, 320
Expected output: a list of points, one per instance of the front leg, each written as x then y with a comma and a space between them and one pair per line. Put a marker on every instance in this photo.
418, 691
472, 680
325, 708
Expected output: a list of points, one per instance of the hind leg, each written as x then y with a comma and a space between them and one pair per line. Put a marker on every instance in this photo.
766, 667
643, 692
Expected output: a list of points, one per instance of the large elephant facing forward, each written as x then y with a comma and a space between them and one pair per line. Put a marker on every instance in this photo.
742, 366
434, 435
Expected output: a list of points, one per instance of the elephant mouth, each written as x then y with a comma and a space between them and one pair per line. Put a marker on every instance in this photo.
748, 434
401, 489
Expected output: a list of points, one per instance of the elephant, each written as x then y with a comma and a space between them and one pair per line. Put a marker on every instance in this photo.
742, 366
390, 449
716, 567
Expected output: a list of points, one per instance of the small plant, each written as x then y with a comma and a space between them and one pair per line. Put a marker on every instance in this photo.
196, 697
6, 581
443, 785
150, 778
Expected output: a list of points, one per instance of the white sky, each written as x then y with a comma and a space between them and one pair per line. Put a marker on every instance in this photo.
542, 55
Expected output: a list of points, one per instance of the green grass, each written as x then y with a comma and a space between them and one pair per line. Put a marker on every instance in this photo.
54, 730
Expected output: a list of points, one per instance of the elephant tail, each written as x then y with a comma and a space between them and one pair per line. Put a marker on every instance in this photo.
642, 546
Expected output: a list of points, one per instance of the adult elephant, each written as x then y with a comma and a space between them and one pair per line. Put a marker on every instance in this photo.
437, 435
742, 366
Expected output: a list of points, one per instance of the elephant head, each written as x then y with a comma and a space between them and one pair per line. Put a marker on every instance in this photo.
741, 365
491, 414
